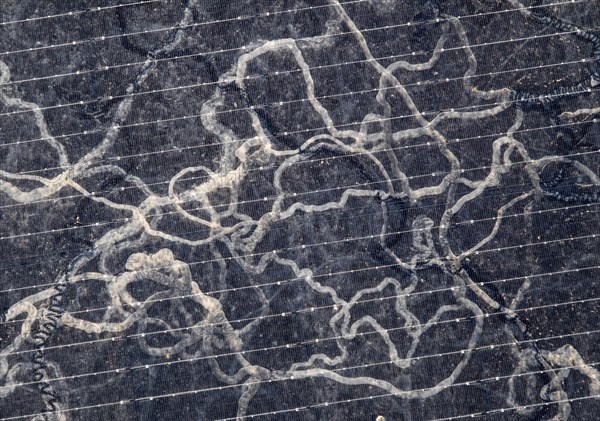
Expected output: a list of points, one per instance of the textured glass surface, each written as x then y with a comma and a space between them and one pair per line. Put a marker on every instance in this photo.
299, 210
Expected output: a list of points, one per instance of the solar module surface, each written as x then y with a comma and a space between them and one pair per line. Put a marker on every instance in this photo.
299, 210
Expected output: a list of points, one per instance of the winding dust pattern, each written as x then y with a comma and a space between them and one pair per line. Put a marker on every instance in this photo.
40, 315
